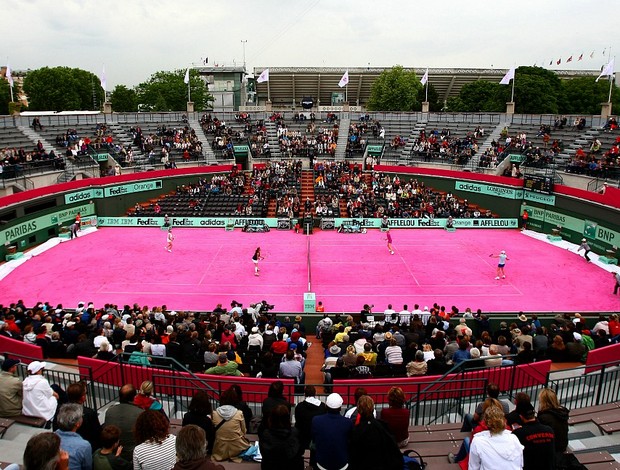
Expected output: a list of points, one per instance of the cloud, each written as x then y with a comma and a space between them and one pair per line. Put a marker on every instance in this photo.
135, 38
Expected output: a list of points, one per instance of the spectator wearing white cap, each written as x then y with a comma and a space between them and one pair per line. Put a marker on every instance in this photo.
255, 340
40, 399
425, 316
330, 433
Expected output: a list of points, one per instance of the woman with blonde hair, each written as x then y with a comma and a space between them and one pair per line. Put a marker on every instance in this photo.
551, 413
482, 426
144, 398
496, 447
350, 357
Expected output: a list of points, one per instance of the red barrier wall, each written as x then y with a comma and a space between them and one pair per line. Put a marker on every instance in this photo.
525, 375
599, 356
20, 348
107, 180
169, 382
610, 198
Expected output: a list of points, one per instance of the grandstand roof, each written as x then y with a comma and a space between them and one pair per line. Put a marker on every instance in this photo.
288, 85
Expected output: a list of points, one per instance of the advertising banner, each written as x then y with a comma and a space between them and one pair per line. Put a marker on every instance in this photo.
481, 188
31, 226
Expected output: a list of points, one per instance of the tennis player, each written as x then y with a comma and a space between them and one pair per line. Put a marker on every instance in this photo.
388, 237
255, 259
169, 240
502, 257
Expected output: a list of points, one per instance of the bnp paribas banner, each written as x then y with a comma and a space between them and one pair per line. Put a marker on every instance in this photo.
588, 228
28, 227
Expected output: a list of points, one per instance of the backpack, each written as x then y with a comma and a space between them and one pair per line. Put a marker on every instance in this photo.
413, 463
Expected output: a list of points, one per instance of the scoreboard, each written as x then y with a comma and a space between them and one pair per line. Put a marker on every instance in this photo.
541, 184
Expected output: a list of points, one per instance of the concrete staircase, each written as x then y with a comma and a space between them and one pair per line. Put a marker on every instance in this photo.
206, 144
415, 133
584, 140
343, 135
272, 138
494, 135
307, 187
140, 160
70, 169
34, 136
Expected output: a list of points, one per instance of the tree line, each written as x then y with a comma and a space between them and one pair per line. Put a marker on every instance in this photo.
73, 89
537, 91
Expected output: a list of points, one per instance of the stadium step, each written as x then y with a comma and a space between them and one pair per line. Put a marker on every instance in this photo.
206, 146
307, 186
343, 135
272, 138
34, 137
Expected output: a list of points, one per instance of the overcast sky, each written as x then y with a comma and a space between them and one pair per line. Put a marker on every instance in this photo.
135, 38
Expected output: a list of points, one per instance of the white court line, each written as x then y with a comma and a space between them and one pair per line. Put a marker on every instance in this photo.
236, 293
429, 295
451, 245
210, 264
409, 269
516, 288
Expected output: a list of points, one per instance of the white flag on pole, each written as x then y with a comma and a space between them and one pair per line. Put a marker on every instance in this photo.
510, 75
263, 77
186, 79
9, 77
344, 81
607, 71
424, 78
103, 80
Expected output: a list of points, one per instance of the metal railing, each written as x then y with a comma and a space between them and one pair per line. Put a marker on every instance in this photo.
596, 388
443, 400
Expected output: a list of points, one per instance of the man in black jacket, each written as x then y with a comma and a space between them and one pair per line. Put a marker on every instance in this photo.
537, 439
304, 413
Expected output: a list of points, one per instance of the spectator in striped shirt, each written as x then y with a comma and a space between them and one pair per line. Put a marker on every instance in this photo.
155, 446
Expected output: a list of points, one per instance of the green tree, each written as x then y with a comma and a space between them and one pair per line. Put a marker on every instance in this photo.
62, 89
537, 91
395, 90
5, 96
124, 100
478, 96
167, 91
584, 95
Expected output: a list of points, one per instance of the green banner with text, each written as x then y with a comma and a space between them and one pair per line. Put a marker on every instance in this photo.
132, 188
28, 227
499, 191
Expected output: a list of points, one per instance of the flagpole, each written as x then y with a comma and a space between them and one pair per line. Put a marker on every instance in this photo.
189, 89
512, 95
8, 68
426, 86
612, 79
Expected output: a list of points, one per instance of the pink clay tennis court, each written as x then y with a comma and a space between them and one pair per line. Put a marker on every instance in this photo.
209, 266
